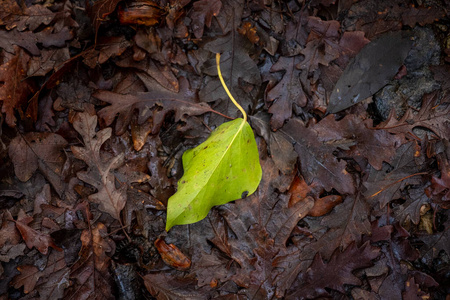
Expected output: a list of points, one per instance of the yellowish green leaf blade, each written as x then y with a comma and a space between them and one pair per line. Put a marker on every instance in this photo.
223, 168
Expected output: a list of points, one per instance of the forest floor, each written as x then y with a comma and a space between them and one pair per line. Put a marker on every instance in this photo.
349, 102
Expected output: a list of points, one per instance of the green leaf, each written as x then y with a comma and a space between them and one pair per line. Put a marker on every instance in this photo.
223, 168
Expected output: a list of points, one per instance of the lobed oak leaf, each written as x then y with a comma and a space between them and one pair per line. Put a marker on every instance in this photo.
49, 60
50, 36
334, 273
202, 13
436, 242
260, 280
231, 10
321, 47
100, 170
55, 277
416, 198
14, 87
349, 220
183, 103
358, 139
8, 232
210, 268
33, 238
107, 47
41, 150
90, 273
287, 93
422, 15
280, 148
317, 163
413, 291
10, 246
163, 74
35, 16
10, 40
50, 282
440, 186
376, 17
29, 275
434, 115
383, 185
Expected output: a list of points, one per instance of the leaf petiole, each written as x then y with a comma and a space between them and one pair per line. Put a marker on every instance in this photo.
227, 90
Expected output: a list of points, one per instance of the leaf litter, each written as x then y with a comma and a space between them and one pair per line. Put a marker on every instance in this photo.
350, 204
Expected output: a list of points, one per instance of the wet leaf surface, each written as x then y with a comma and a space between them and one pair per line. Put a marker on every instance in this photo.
100, 99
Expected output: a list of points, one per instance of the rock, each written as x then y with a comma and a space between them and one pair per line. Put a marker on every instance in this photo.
406, 92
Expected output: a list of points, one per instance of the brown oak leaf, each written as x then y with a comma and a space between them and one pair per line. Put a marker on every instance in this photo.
349, 220
433, 115
10, 40
183, 103
41, 150
14, 87
287, 93
29, 275
377, 146
163, 74
202, 14
385, 184
322, 44
317, 162
100, 169
32, 237
335, 273
91, 272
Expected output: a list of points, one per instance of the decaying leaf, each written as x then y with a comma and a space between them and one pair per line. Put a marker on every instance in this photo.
317, 162
335, 273
287, 93
29, 275
355, 136
281, 149
383, 185
166, 287
172, 256
202, 14
36, 149
148, 103
32, 237
90, 272
100, 169
433, 115
370, 70
14, 88
321, 47
349, 220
